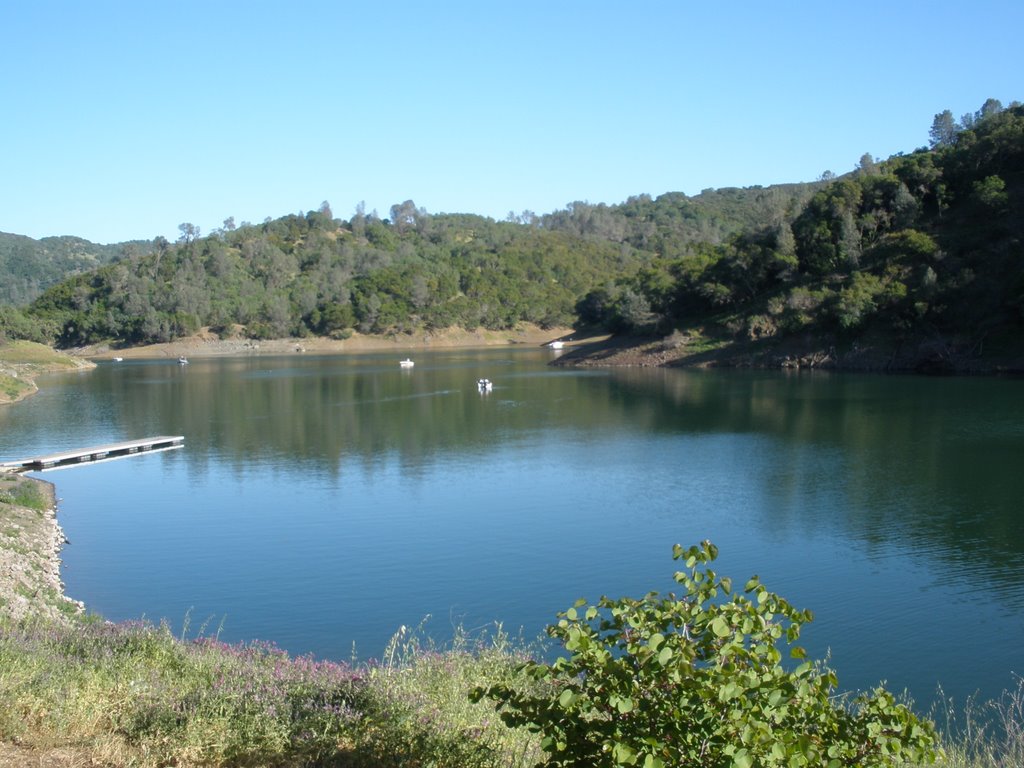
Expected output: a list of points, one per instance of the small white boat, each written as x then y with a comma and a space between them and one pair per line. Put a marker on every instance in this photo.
182, 360
407, 363
118, 359
556, 344
484, 385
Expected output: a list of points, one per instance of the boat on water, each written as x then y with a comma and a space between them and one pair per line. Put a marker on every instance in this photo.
407, 363
182, 360
118, 359
484, 385
556, 344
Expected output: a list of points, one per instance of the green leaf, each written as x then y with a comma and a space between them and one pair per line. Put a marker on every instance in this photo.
625, 705
623, 754
720, 627
567, 697
665, 656
572, 641
656, 640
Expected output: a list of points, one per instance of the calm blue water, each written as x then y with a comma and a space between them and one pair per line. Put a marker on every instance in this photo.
323, 502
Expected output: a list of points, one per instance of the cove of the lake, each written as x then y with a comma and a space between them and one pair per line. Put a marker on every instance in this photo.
320, 503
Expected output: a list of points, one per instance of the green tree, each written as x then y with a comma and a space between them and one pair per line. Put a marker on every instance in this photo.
943, 131
991, 193
990, 108
698, 680
189, 233
867, 165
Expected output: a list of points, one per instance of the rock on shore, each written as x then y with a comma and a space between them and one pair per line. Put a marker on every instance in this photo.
30, 546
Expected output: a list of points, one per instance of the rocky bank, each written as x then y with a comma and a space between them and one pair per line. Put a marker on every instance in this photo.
30, 546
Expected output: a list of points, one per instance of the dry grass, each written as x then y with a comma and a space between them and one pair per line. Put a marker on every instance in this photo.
22, 361
13, 756
30, 353
986, 734
132, 695
89, 693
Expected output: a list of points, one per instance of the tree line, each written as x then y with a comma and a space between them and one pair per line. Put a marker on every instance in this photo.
919, 245
28, 266
926, 243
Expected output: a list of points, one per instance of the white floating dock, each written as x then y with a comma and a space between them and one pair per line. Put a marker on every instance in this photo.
97, 453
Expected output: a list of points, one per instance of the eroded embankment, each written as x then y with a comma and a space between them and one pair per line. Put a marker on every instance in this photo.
30, 546
696, 350
30, 538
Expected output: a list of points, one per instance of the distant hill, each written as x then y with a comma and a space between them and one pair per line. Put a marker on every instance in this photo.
28, 267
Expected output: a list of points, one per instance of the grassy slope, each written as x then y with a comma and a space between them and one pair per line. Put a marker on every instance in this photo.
22, 361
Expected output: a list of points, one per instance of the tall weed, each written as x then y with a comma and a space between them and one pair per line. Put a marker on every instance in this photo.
418, 708
987, 734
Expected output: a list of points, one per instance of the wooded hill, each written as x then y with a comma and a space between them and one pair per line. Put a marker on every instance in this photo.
923, 248
28, 267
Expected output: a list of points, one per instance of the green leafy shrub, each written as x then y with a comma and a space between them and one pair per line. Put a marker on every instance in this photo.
698, 680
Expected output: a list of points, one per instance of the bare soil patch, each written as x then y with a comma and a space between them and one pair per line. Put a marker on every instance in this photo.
208, 344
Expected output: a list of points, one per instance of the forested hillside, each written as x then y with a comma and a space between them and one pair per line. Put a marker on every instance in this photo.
28, 267
315, 274
921, 249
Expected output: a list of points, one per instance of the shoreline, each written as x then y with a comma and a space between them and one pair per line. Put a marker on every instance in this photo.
22, 361
30, 562
205, 343
682, 350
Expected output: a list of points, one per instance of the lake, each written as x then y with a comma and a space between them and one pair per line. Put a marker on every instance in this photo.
323, 502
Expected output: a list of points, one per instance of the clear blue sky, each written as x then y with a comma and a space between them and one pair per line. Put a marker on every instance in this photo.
121, 120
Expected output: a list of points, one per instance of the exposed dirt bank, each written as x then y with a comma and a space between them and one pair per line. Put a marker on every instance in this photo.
30, 544
208, 344
683, 350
